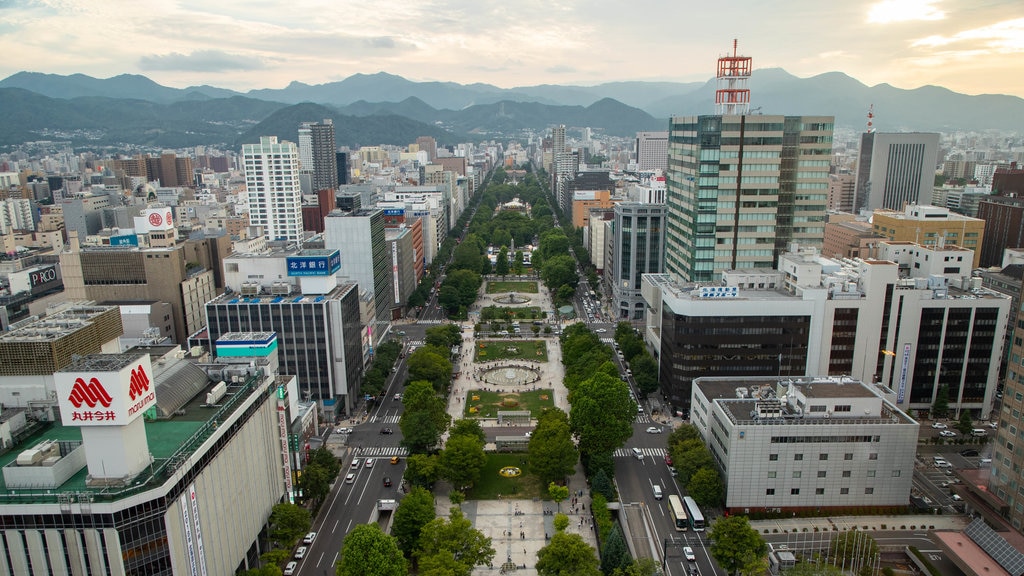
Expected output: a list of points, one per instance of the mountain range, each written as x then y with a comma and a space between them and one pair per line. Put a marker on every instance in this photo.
387, 109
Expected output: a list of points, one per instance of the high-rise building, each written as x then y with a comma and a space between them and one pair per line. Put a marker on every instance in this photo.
1004, 227
272, 187
317, 151
429, 145
931, 226
741, 189
651, 151
896, 169
638, 247
840, 192
365, 257
341, 158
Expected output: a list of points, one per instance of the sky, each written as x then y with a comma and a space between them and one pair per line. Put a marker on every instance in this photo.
970, 46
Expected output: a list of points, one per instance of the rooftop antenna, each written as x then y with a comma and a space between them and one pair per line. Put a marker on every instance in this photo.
871, 118
732, 96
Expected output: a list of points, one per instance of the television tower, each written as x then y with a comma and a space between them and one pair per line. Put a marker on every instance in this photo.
871, 118
732, 96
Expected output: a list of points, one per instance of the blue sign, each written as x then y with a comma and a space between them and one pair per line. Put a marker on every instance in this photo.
394, 211
124, 240
902, 390
325, 265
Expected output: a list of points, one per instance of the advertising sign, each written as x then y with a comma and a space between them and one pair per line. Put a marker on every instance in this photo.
325, 265
199, 530
106, 398
718, 292
41, 276
394, 211
124, 240
901, 391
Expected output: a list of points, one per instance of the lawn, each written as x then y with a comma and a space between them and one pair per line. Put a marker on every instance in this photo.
499, 286
506, 312
493, 485
489, 350
488, 403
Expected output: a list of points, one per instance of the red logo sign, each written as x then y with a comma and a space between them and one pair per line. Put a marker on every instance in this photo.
168, 217
138, 382
89, 394
155, 219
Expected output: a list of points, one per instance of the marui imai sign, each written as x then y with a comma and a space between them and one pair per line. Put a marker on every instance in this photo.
106, 398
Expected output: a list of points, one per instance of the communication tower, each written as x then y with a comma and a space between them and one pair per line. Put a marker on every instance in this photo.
732, 95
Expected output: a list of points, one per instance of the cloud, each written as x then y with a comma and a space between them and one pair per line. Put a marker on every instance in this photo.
889, 11
560, 69
1006, 36
200, 61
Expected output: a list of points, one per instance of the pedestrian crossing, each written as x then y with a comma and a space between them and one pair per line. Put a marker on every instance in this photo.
643, 418
628, 452
382, 451
433, 321
388, 419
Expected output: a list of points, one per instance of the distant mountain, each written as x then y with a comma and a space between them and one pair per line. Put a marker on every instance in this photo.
132, 86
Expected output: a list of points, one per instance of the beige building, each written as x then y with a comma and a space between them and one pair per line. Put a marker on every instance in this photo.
931, 226
585, 200
849, 239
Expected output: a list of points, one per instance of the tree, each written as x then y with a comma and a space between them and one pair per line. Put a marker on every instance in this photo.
645, 373
567, 555
424, 418
734, 544
706, 487
690, 456
517, 262
602, 484
557, 492
415, 511
643, 567
561, 522
602, 414
277, 557
443, 336
559, 271
456, 536
368, 551
327, 460
422, 470
965, 424
853, 551
288, 522
374, 381
468, 427
940, 407
552, 454
427, 364
462, 460
501, 264
812, 568
614, 555
683, 433
315, 483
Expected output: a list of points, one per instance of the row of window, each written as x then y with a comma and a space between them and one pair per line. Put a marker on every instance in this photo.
824, 474
817, 491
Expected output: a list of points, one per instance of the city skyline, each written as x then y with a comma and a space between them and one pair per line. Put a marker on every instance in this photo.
906, 43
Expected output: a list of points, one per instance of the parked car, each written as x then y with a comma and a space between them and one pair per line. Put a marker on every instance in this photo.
969, 453
289, 568
947, 433
939, 425
309, 538
300, 553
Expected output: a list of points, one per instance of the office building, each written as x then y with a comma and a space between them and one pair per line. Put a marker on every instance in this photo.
637, 248
341, 158
896, 169
849, 238
429, 145
317, 151
841, 192
912, 320
401, 256
806, 444
1008, 181
1004, 227
931, 226
583, 201
273, 192
651, 151
365, 259
741, 189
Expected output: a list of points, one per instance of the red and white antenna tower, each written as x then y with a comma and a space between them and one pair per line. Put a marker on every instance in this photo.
871, 118
732, 95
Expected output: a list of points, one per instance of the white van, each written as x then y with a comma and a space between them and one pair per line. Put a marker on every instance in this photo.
638, 454
657, 491
979, 432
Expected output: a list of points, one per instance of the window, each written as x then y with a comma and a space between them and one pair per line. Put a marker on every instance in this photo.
869, 490
871, 473
842, 408
873, 456
846, 473
848, 456
897, 473
769, 491
794, 492
798, 457
773, 457
771, 473
819, 491
797, 474
822, 473
844, 490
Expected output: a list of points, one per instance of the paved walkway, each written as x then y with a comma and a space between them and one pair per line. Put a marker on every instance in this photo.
518, 528
918, 522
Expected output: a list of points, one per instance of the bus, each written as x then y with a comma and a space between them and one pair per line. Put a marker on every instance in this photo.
696, 518
675, 508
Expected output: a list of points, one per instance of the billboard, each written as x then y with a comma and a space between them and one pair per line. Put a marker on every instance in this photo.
394, 211
42, 275
326, 264
718, 292
124, 240
106, 398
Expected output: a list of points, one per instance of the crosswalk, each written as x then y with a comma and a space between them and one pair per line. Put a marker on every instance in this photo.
387, 419
382, 451
433, 321
628, 452
643, 418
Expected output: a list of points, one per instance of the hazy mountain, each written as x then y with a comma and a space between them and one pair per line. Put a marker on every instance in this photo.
131, 86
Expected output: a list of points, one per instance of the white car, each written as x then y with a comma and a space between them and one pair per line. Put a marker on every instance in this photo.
300, 553
600, 330
309, 538
947, 433
369, 463
939, 425
290, 568
690, 556
654, 430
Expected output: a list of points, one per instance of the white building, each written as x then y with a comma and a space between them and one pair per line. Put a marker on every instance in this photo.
814, 443
274, 194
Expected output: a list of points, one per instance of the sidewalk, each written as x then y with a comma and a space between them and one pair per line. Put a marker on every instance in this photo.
868, 523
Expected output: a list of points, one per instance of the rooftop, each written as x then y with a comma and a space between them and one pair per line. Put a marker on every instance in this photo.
57, 325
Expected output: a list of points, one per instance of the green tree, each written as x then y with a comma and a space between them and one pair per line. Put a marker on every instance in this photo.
444, 336
812, 568
602, 414
706, 487
614, 555
683, 433
567, 555
557, 492
688, 457
456, 536
501, 263
325, 459
559, 271
277, 557
645, 373
462, 460
374, 381
734, 544
424, 419
552, 454
965, 424
602, 484
315, 483
940, 407
641, 567
368, 551
441, 563
288, 522
413, 513
517, 262
422, 470
427, 364
853, 550
468, 427
561, 522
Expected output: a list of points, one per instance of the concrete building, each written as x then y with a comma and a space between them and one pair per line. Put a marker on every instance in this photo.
913, 320
583, 201
841, 192
365, 259
849, 239
1004, 227
739, 193
806, 444
317, 154
273, 192
931, 226
638, 248
651, 151
401, 256
896, 169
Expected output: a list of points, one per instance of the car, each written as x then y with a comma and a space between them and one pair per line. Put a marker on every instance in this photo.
342, 430
387, 481
289, 568
653, 430
369, 463
947, 433
300, 553
528, 434
668, 460
985, 461
694, 571
398, 396
309, 538
386, 431
350, 479
939, 425
688, 552
993, 425
969, 453
355, 464
395, 459
600, 330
